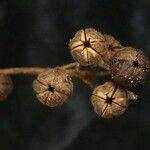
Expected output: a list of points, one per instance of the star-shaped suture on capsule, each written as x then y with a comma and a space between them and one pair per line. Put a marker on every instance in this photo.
87, 47
53, 87
129, 67
110, 100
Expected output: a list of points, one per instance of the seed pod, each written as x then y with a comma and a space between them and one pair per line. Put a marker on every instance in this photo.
6, 86
53, 87
110, 100
129, 67
113, 47
87, 47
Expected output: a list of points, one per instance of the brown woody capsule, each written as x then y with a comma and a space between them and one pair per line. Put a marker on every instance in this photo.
87, 47
6, 86
129, 67
110, 100
53, 87
113, 47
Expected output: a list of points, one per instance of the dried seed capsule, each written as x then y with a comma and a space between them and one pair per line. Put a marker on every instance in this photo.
6, 86
87, 47
53, 87
113, 47
129, 67
110, 100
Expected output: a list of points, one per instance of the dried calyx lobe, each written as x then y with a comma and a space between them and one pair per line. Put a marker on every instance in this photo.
53, 87
129, 67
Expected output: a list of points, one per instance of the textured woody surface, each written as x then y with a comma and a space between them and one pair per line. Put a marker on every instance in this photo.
6, 86
53, 87
129, 67
109, 100
88, 47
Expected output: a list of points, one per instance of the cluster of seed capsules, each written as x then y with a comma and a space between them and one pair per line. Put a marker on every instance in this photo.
128, 66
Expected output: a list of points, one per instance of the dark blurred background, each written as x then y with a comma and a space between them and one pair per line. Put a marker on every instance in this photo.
36, 33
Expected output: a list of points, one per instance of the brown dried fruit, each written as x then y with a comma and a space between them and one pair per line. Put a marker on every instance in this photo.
88, 47
110, 100
53, 87
6, 86
129, 67
113, 47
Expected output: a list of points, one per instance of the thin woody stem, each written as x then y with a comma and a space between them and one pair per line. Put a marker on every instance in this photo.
31, 70
86, 74
89, 83
22, 70
71, 65
83, 74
